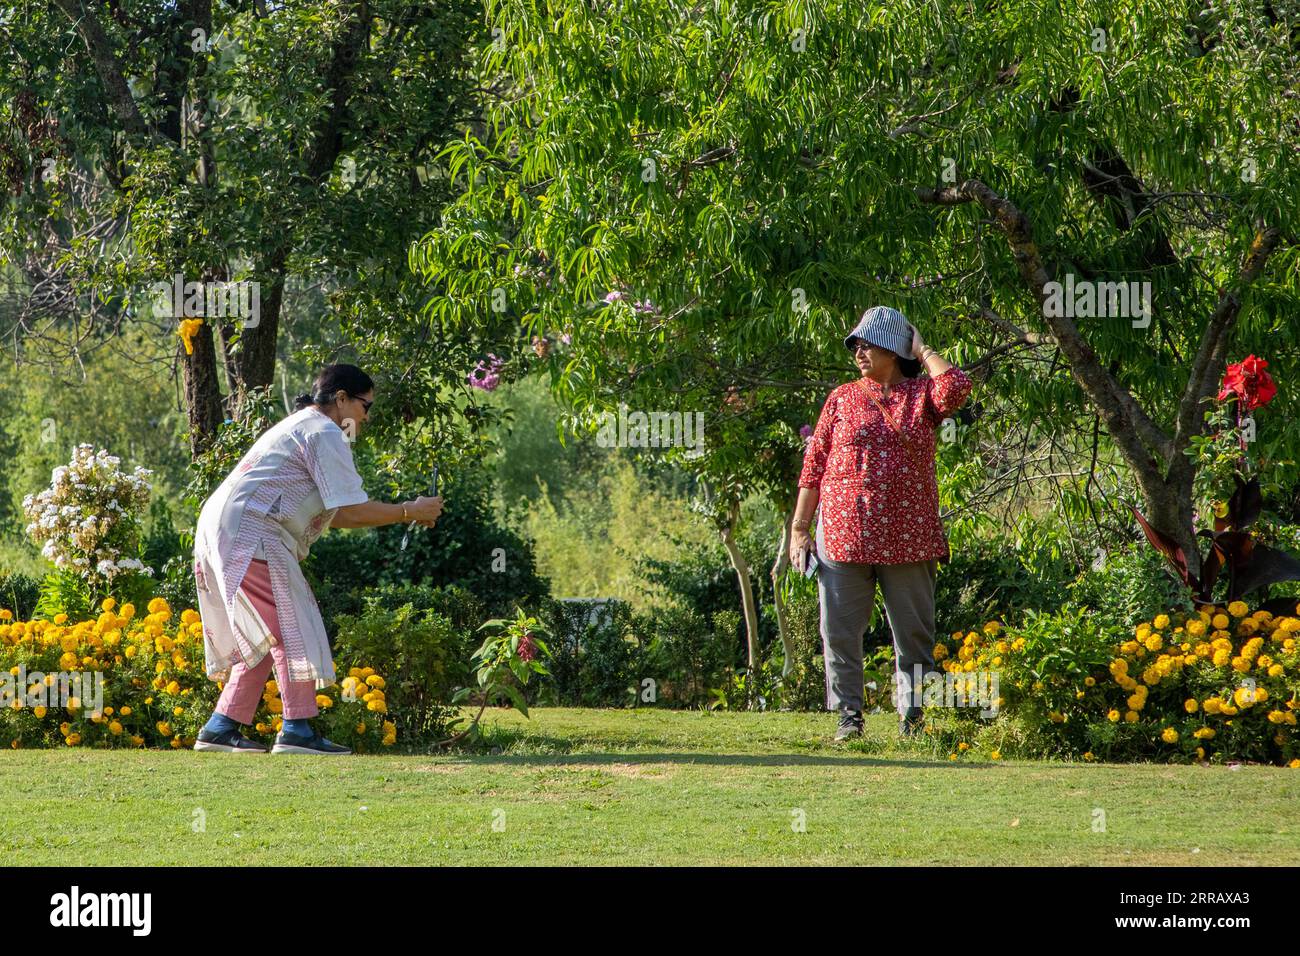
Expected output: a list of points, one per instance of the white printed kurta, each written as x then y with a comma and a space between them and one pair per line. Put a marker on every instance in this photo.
277, 501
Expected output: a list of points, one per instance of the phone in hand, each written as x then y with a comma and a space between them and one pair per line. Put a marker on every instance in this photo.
810, 564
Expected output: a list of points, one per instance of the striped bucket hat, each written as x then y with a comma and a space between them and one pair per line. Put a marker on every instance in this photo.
880, 325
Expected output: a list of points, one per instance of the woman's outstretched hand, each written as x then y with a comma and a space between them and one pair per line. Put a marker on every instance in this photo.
425, 510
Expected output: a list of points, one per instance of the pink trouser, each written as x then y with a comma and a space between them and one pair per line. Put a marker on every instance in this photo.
243, 691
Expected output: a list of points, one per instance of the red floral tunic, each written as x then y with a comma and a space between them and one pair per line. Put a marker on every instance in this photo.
879, 504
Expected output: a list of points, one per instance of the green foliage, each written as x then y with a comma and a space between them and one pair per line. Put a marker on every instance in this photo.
507, 659
19, 593
419, 638
1131, 585
595, 658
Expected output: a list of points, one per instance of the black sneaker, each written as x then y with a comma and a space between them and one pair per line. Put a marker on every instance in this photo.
286, 743
850, 725
911, 724
231, 742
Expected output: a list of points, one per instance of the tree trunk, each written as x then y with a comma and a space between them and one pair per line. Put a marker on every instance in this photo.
746, 590
202, 390
778, 571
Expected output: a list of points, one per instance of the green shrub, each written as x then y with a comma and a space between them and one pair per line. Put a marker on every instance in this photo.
594, 655
421, 639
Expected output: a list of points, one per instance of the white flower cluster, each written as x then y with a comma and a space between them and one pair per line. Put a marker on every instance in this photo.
87, 519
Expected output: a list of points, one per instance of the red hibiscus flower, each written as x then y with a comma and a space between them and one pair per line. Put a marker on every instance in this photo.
1248, 381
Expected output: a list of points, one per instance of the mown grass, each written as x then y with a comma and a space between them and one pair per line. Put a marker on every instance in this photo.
641, 787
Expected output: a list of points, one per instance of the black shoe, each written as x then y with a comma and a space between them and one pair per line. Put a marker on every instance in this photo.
850, 725
286, 743
911, 724
231, 742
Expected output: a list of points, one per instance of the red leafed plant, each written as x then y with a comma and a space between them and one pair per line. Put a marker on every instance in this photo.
1233, 550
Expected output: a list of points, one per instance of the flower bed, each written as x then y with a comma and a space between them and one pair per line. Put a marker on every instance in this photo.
1214, 684
155, 690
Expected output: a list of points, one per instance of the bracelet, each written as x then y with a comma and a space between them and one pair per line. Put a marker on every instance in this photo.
800, 524
404, 518
926, 353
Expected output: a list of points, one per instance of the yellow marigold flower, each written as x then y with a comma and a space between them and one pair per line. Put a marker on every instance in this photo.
1154, 642
1228, 711
1276, 717
1161, 622
164, 728
374, 680
115, 728
1113, 716
361, 727
39, 711
940, 652
125, 711
322, 701
177, 711
1136, 701
1190, 705
1243, 697
1196, 628
366, 672
388, 741
1169, 735
189, 616
1200, 753
963, 746
1204, 733
378, 706
1221, 621
1055, 717
1089, 682
275, 705
1238, 609
1087, 755
1131, 716
73, 739
995, 755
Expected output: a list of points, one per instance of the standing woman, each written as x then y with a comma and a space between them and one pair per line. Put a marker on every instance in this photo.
870, 466
256, 606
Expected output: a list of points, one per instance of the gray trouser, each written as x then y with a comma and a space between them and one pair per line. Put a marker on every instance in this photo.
848, 593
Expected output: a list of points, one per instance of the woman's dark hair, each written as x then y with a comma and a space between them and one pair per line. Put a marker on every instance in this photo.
910, 367
331, 379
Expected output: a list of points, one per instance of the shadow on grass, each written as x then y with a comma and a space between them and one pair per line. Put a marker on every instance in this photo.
708, 759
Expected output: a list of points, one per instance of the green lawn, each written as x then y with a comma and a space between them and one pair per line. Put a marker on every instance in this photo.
641, 787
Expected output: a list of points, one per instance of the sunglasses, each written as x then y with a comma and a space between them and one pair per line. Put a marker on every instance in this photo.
365, 404
859, 346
